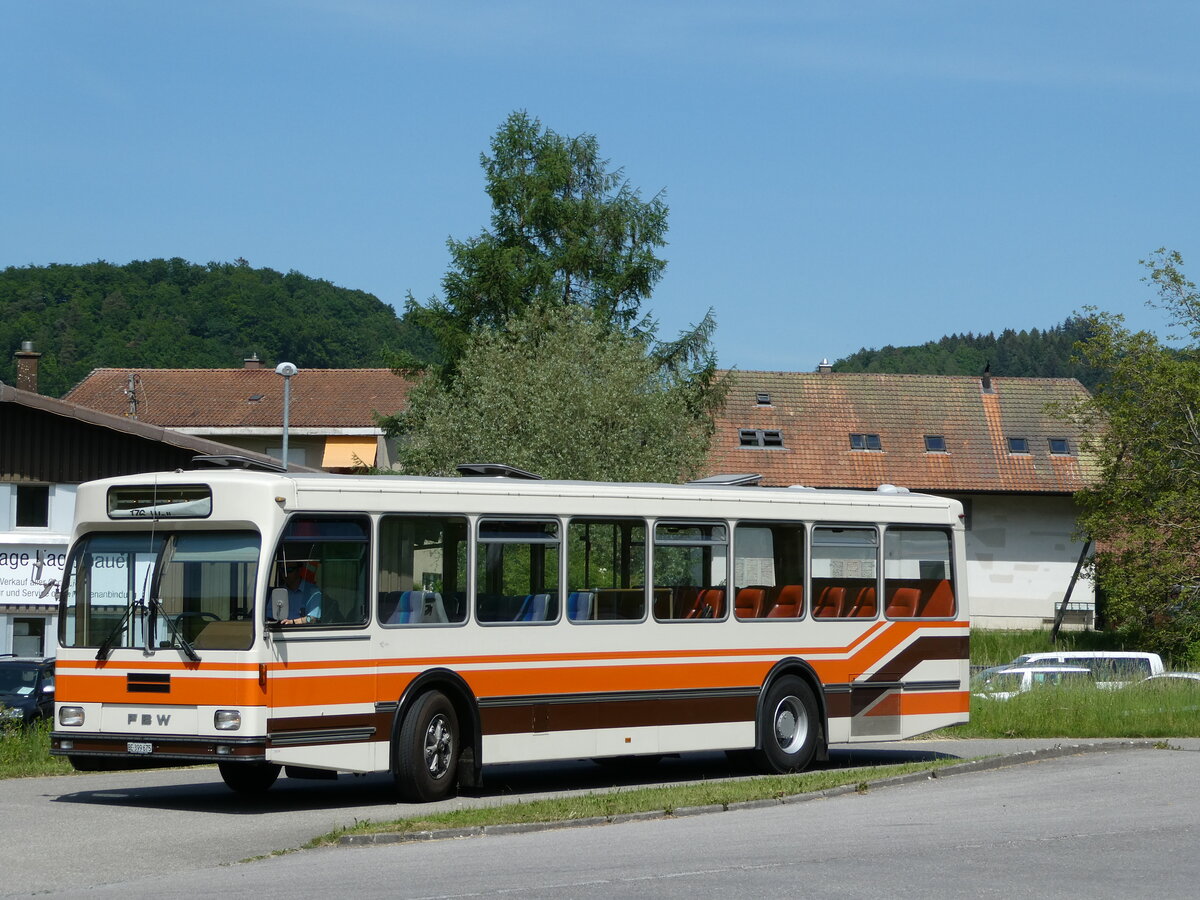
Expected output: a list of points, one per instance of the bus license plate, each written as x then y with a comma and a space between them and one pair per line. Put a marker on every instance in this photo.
140, 747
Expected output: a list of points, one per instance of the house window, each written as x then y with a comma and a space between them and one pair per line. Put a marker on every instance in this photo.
935, 443
758, 437
1018, 445
1060, 447
33, 505
865, 442
764, 399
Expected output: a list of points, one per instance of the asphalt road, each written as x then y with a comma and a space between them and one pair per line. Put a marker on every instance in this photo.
1094, 825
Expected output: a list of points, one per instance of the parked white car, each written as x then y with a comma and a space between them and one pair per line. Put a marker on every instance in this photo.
1008, 682
1111, 668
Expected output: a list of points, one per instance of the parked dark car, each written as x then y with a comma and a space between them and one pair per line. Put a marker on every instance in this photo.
26, 689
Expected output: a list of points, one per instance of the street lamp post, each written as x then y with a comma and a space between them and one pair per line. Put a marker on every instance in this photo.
287, 370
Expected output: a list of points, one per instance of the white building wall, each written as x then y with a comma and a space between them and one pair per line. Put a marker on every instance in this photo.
1020, 559
23, 613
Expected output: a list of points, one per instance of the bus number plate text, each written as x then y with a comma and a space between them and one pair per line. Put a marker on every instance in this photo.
143, 747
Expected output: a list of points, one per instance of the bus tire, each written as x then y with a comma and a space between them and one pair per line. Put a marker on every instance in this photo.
248, 778
427, 750
789, 726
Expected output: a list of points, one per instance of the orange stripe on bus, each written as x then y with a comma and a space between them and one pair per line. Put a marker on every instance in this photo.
514, 674
934, 702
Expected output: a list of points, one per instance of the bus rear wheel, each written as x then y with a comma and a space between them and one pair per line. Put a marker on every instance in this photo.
248, 778
789, 724
427, 749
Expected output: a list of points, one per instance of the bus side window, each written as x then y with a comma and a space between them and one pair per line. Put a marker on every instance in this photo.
768, 569
327, 557
422, 570
845, 565
917, 573
516, 578
606, 570
690, 560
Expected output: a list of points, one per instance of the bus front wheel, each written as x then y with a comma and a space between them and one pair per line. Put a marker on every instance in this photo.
427, 750
789, 725
248, 778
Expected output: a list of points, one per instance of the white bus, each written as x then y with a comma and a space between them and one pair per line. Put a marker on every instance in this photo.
451, 623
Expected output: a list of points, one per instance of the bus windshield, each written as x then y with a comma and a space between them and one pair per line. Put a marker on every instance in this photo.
153, 591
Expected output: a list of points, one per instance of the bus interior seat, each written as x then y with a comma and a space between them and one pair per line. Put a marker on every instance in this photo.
865, 605
389, 607
709, 604
903, 603
411, 607
830, 602
750, 603
579, 605
787, 602
937, 599
535, 608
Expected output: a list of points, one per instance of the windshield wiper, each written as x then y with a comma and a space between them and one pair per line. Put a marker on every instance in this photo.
107, 644
156, 609
155, 604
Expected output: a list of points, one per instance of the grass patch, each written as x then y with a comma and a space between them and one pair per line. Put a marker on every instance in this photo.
639, 800
1156, 709
25, 752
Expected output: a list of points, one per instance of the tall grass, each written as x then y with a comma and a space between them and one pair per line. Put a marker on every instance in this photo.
1154, 709
26, 751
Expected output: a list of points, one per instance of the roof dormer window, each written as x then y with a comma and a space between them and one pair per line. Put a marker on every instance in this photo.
1018, 446
935, 443
763, 398
759, 437
1060, 447
863, 441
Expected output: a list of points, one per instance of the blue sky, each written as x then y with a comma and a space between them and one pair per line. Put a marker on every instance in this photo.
839, 175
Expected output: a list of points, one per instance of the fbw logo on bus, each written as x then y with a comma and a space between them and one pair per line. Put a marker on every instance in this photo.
145, 719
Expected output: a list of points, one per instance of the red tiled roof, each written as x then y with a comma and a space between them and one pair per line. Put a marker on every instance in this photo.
246, 398
817, 413
18, 446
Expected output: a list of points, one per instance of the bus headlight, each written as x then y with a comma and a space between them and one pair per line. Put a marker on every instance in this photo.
70, 715
227, 719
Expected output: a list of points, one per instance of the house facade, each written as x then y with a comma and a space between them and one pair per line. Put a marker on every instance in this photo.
995, 444
331, 412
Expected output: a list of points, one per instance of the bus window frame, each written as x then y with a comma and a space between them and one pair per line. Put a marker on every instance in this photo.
473, 555
647, 540
806, 528
377, 568
286, 632
951, 574
652, 573
811, 600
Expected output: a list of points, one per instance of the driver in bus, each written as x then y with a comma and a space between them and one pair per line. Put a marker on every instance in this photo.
304, 597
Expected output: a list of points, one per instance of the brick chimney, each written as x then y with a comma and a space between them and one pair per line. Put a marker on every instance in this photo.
27, 367
252, 362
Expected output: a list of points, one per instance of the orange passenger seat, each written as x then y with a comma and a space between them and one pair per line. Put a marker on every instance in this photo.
788, 603
751, 603
865, 605
903, 603
829, 605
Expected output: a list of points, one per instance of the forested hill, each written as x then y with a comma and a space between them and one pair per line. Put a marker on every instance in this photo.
1033, 354
170, 313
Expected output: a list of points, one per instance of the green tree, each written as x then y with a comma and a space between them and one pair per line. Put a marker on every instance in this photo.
172, 313
565, 231
1143, 510
559, 393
